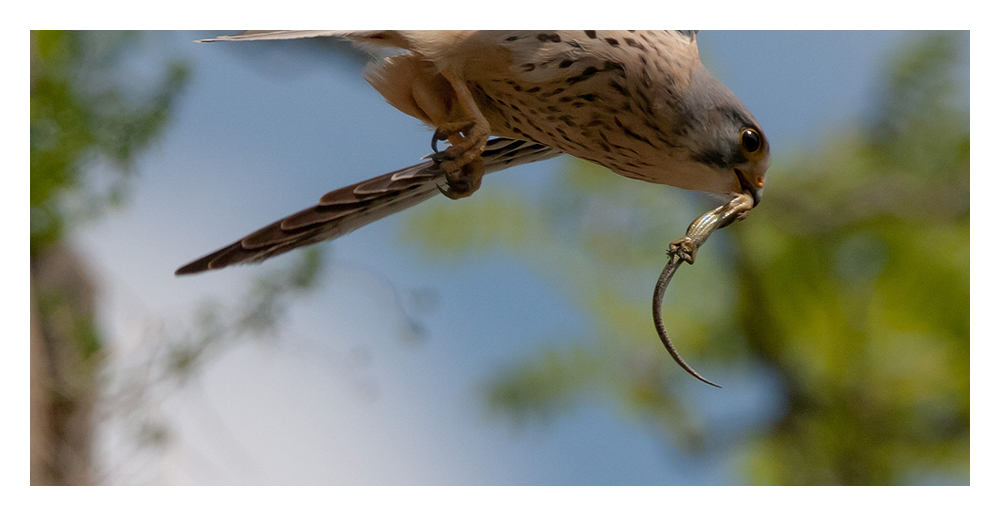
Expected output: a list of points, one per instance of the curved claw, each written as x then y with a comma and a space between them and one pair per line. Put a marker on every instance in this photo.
435, 138
447, 193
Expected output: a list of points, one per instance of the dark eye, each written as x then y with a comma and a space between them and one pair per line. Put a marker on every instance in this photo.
750, 140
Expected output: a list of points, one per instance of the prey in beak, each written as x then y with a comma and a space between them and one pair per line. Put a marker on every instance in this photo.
754, 186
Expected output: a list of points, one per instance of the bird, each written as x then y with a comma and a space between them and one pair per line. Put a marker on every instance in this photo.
639, 103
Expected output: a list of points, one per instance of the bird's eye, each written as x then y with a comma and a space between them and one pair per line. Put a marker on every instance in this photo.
750, 140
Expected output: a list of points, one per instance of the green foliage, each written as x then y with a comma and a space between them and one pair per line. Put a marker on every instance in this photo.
554, 381
496, 221
874, 352
850, 283
84, 113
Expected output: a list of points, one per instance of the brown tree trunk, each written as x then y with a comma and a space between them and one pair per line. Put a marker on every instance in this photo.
65, 355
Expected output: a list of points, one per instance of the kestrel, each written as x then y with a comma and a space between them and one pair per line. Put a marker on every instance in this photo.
637, 102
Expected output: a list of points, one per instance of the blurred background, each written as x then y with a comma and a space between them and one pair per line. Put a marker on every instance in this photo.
506, 338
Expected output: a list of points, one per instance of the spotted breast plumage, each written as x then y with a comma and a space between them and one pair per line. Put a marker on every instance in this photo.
591, 95
637, 102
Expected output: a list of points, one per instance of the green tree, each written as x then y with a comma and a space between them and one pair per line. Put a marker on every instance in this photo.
850, 285
82, 119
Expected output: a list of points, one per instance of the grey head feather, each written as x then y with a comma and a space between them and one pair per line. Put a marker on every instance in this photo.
711, 119
690, 34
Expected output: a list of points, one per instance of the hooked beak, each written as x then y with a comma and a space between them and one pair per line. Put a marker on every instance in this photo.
754, 186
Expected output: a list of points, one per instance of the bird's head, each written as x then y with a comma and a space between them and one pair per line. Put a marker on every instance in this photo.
721, 138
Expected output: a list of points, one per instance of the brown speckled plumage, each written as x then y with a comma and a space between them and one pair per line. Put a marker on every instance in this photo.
637, 102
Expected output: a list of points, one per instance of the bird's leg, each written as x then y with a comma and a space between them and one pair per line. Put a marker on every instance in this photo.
462, 162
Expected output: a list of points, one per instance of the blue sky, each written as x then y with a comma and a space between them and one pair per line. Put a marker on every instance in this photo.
341, 396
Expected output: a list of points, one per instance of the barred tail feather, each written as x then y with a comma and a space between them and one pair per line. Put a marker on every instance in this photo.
343, 210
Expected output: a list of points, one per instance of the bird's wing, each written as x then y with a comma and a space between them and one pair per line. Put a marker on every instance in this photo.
388, 38
547, 57
346, 209
264, 35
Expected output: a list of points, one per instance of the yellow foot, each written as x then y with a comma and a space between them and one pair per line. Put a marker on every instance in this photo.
462, 162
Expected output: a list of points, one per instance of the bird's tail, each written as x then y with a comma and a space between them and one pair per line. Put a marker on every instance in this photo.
341, 211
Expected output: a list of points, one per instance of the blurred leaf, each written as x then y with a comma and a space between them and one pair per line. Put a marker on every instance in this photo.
81, 116
554, 381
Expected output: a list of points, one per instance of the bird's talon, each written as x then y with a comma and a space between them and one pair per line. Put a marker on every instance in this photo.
456, 190
438, 136
446, 192
445, 132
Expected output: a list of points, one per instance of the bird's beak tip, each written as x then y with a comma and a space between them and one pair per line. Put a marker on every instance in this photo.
753, 187
756, 193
